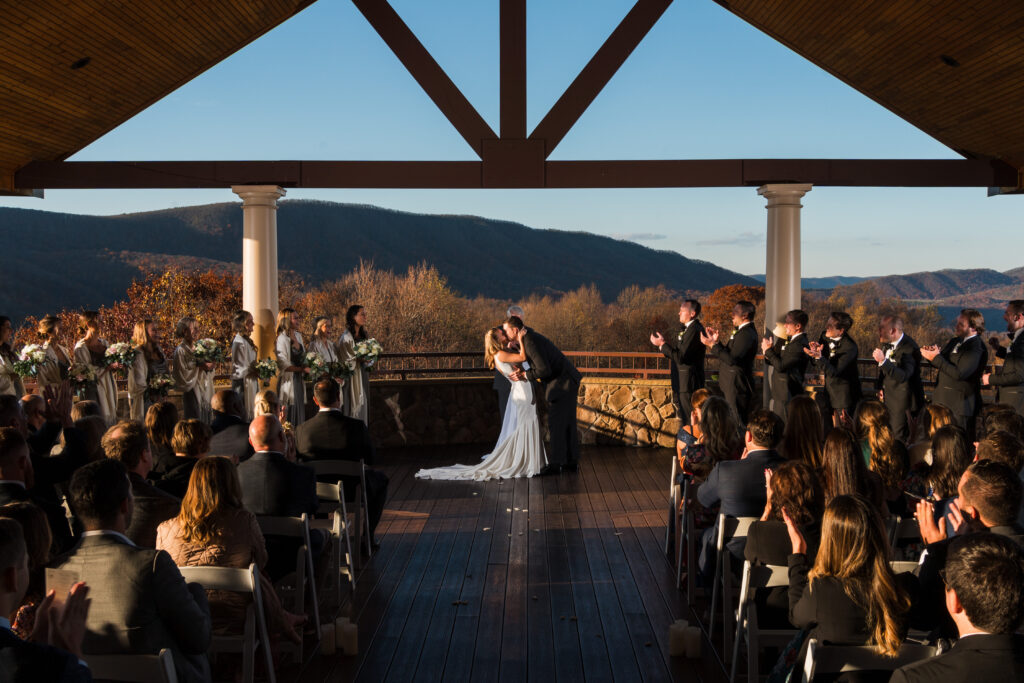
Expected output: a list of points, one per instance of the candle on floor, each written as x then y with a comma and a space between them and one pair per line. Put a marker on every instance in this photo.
692, 637
677, 638
327, 641
346, 635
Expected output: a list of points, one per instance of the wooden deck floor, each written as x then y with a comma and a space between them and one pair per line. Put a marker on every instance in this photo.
548, 579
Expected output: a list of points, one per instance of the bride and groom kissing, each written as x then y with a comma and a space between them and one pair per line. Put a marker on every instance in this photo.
528, 361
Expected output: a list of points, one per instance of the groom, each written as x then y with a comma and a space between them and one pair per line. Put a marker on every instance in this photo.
561, 382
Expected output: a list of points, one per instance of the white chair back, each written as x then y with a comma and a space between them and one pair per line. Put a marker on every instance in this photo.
754, 577
833, 659
305, 578
351, 468
158, 668
728, 528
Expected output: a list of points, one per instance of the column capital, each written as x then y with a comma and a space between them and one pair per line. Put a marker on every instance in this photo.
259, 195
784, 194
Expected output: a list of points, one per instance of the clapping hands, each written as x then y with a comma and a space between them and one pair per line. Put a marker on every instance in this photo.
930, 352
878, 355
795, 537
63, 624
709, 337
931, 530
766, 344
813, 350
657, 339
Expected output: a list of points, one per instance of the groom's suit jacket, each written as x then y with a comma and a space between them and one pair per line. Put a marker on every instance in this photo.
1009, 381
549, 366
687, 357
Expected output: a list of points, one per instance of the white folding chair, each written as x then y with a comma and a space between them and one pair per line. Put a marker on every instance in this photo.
755, 577
332, 501
674, 497
158, 668
900, 566
254, 632
305, 576
351, 468
834, 659
727, 528
905, 529
687, 541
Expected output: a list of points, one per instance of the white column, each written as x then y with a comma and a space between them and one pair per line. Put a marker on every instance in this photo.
259, 261
782, 265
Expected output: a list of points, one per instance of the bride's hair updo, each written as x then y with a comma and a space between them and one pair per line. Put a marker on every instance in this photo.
491, 346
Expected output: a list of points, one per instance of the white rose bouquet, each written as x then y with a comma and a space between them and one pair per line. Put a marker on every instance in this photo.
316, 364
158, 386
119, 357
368, 352
81, 374
208, 351
266, 370
339, 369
30, 360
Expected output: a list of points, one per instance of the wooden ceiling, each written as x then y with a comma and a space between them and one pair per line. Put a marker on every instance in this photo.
72, 70
953, 68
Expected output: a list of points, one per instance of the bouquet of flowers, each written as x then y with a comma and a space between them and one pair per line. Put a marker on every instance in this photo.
30, 360
120, 356
158, 386
265, 369
339, 369
208, 351
368, 352
80, 375
316, 364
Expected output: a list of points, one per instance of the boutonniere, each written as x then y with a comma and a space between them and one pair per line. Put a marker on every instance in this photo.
956, 349
889, 352
731, 336
681, 333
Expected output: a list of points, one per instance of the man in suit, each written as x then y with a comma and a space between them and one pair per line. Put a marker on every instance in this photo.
836, 358
230, 430
140, 603
984, 595
961, 363
502, 385
561, 381
899, 375
789, 360
687, 356
331, 435
17, 479
55, 654
127, 443
736, 359
739, 485
1009, 382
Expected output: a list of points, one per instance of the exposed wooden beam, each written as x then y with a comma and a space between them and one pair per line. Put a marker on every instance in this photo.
513, 69
60, 175
598, 71
427, 72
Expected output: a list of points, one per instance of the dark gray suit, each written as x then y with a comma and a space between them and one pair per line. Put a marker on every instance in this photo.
687, 355
561, 381
1009, 381
899, 380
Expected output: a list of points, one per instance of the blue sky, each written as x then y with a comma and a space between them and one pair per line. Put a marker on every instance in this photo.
703, 84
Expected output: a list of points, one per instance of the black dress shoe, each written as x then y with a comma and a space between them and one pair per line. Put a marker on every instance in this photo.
571, 467
549, 469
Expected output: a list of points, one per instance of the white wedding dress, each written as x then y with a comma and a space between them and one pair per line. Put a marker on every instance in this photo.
519, 451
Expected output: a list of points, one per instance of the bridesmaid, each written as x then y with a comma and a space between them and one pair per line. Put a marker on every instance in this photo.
193, 379
358, 385
291, 353
55, 368
322, 342
90, 350
243, 357
149, 362
10, 381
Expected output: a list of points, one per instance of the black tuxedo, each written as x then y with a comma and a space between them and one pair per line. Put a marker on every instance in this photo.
22, 661
231, 437
561, 381
1009, 382
899, 380
736, 369
330, 435
838, 363
790, 363
55, 515
980, 657
687, 356
958, 385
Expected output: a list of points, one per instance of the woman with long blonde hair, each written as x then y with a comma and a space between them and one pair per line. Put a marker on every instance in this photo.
91, 349
55, 368
850, 596
193, 379
244, 379
149, 362
322, 342
291, 359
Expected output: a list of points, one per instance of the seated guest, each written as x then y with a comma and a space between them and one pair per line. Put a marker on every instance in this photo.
85, 408
739, 485
882, 452
843, 472
140, 603
332, 435
214, 530
191, 441
984, 595
1004, 421
1003, 447
951, 455
804, 431
16, 486
850, 596
161, 417
933, 418
690, 432
36, 531
91, 428
720, 439
35, 411
56, 653
267, 403
126, 442
230, 430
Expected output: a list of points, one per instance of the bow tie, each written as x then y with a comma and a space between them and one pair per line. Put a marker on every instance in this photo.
887, 347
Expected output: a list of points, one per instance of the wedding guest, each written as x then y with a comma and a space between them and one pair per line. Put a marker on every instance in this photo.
10, 381
85, 408
961, 363
804, 433
899, 375
150, 362
90, 350
291, 359
1002, 447
266, 403
91, 428
933, 418
843, 472
160, 420
37, 544
17, 485
952, 454
34, 406
690, 433
1003, 421
54, 369
720, 439
193, 379
882, 452
687, 356
359, 383
322, 341
736, 359
1009, 381
191, 442
836, 358
244, 379
230, 429
789, 360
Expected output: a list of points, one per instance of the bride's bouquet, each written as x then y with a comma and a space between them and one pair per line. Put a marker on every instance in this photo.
158, 386
208, 351
316, 364
30, 360
266, 370
80, 375
367, 352
119, 357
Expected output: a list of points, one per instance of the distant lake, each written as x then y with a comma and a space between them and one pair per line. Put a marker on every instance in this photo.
993, 317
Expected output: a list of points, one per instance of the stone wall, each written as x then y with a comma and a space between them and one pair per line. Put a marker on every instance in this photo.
630, 412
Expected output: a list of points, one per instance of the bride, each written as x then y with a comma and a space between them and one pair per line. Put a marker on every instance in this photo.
519, 451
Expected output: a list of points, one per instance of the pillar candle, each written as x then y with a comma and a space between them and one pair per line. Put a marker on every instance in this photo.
346, 636
691, 638
677, 638
327, 642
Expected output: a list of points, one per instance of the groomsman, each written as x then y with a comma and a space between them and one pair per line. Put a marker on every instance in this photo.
961, 363
1009, 382
899, 375
736, 359
790, 361
836, 358
687, 356
501, 385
